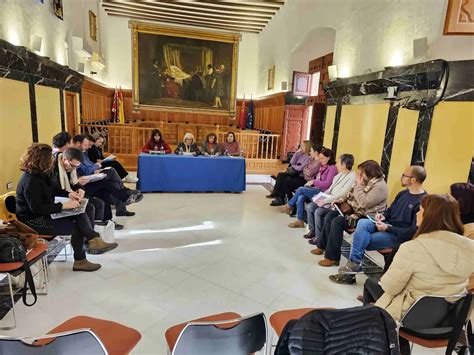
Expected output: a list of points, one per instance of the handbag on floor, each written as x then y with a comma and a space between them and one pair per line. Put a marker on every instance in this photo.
107, 232
13, 250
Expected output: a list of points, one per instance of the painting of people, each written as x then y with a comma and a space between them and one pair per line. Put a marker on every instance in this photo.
181, 72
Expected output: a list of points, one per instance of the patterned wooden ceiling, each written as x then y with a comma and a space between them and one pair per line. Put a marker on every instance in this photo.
230, 15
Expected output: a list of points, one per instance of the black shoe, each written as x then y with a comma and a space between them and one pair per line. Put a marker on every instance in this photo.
125, 214
313, 241
270, 196
343, 279
134, 198
293, 211
277, 202
118, 227
101, 223
309, 235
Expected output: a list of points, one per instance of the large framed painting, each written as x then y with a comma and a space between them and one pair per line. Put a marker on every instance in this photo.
180, 69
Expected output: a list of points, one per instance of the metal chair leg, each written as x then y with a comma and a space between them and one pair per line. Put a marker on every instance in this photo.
13, 304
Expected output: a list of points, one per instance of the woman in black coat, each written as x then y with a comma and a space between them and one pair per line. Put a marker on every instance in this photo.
35, 202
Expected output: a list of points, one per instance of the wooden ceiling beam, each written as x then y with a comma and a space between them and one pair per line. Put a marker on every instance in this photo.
122, 7
227, 5
178, 22
202, 22
193, 9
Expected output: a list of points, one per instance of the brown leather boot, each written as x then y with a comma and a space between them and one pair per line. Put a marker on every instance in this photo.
85, 265
284, 209
98, 246
328, 262
317, 251
296, 224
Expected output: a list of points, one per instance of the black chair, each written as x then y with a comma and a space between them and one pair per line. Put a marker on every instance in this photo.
244, 335
433, 322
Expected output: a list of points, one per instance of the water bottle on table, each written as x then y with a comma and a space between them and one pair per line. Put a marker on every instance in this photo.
180, 150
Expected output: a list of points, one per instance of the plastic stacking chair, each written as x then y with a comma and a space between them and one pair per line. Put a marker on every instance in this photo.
433, 322
116, 338
8, 216
81, 341
225, 333
37, 254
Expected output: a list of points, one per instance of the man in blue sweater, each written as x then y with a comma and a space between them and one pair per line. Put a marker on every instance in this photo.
395, 226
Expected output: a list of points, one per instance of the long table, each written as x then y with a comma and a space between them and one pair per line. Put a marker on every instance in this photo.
181, 173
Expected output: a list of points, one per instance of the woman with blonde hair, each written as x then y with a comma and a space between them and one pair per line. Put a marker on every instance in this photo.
188, 145
437, 261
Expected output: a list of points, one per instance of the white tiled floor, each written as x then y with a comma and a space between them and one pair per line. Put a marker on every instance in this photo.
189, 255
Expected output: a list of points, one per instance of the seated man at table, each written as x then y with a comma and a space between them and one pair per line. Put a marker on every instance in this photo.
188, 145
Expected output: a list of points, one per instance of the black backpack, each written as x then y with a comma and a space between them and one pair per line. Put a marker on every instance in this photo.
12, 251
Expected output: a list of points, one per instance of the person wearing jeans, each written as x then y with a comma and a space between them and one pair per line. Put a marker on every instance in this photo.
368, 196
317, 209
399, 225
325, 176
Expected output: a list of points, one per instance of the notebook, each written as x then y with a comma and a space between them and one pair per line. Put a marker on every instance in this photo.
95, 177
109, 158
69, 212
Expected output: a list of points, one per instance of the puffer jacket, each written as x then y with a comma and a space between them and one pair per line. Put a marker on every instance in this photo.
357, 330
437, 263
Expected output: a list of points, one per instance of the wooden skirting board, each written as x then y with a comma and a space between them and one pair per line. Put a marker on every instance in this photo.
253, 166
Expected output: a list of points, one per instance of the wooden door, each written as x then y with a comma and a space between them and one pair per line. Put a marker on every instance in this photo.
295, 128
71, 113
317, 119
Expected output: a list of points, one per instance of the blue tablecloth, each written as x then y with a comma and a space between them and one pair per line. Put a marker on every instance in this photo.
178, 173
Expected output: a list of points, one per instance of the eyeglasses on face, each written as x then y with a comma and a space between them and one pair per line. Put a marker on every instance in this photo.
407, 176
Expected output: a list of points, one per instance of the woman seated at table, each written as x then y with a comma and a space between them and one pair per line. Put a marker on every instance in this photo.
188, 145
211, 147
156, 143
231, 146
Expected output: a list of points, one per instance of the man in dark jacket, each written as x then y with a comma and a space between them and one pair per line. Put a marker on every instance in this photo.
395, 226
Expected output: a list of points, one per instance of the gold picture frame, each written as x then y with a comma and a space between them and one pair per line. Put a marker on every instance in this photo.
459, 18
271, 78
183, 33
93, 25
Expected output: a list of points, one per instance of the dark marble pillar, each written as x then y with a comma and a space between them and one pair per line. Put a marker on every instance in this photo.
61, 104
34, 117
422, 136
337, 123
389, 136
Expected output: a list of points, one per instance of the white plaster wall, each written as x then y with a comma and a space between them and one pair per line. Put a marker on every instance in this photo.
370, 34
19, 19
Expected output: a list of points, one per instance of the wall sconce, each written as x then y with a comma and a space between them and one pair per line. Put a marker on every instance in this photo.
392, 93
97, 61
332, 72
35, 43
78, 47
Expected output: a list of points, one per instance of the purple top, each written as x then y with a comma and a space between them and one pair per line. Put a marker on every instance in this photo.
299, 160
311, 170
325, 176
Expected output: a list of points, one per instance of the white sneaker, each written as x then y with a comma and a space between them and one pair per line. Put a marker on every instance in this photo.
130, 179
